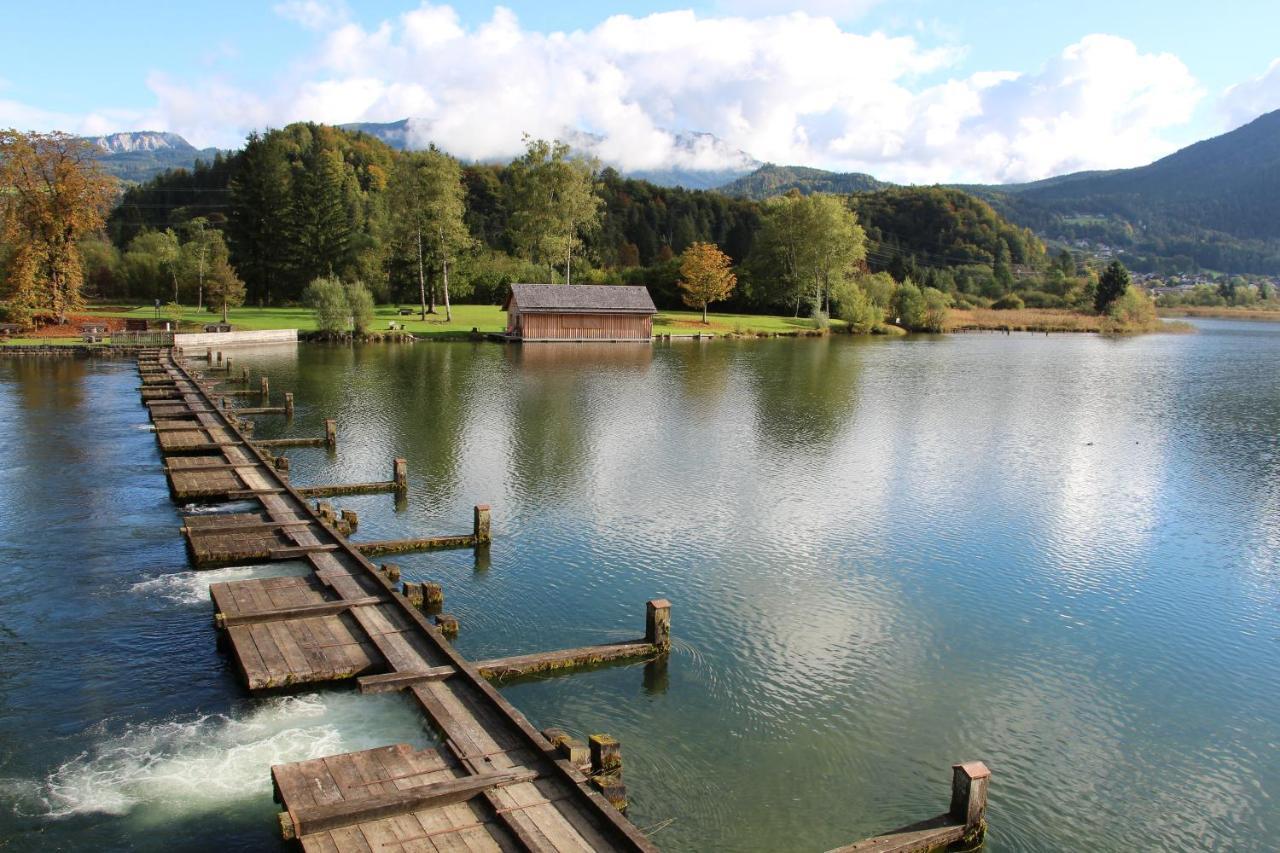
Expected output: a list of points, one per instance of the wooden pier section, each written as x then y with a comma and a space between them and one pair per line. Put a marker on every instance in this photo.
493, 783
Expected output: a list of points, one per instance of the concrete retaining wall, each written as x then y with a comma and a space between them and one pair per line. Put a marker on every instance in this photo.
222, 340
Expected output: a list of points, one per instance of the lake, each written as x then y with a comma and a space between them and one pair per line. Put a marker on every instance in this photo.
1057, 554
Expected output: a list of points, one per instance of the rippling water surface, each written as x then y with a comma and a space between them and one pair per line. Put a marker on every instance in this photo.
1058, 554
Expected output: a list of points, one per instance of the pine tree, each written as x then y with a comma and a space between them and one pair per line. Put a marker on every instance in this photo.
257, 228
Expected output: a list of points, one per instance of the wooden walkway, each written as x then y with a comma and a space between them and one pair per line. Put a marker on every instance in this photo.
494, 783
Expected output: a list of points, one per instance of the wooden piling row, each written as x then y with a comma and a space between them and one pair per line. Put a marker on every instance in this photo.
494, 783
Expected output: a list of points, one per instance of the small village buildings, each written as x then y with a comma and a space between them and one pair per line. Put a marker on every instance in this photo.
579, 312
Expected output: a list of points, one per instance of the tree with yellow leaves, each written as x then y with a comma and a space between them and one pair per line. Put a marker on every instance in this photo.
52, 193
706, 276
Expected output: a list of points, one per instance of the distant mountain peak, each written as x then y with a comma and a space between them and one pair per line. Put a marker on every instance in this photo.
140, 140
696, 159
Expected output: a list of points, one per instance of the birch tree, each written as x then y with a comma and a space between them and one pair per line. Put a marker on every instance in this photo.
428, 206
554, 202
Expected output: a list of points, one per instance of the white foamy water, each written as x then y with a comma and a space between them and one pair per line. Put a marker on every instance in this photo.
155, 770
193, 587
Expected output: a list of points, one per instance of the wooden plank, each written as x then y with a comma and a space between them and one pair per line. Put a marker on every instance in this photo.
244, 527
388, 682
348, 812
301, 611
564, 659
301, 550
932, 834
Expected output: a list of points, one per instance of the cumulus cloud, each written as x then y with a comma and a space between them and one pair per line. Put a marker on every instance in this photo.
794, 88
1244, 102
313, 14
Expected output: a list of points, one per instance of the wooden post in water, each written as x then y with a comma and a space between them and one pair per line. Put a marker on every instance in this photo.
288, 405
330, 433
413, 592
400, 474
432, 595
448, 624
352, 518
657, 623
208, 355
219, 357
282, 467
244, 375
570, 748
265, 387
227, 366
606, 770
482, 525
391, 571
969, 798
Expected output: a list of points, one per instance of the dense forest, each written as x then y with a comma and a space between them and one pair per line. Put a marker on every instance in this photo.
312, 200
1214, 205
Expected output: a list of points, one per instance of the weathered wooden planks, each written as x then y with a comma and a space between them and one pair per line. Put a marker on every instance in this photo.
346, 620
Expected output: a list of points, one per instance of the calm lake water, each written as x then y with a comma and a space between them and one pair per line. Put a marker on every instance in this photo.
1060, 555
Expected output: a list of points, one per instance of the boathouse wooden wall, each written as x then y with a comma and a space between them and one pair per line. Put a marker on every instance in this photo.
584, 327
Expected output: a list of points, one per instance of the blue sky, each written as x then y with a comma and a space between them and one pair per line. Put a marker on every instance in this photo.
914, 90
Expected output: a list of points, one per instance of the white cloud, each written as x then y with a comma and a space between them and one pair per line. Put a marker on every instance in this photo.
313, 14
1244, 102
794, 88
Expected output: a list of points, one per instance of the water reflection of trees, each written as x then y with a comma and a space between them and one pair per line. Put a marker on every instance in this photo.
554, 403
804, 390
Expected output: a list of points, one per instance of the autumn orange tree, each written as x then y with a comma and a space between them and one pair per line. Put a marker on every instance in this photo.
52, 193
705, 276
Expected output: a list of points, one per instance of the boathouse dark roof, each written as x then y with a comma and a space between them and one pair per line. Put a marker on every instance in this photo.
579, 299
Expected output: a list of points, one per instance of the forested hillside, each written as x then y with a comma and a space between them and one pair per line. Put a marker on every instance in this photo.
310, 200
770, 180
1214, 205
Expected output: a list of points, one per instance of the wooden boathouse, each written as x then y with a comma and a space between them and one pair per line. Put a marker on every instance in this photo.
579, 312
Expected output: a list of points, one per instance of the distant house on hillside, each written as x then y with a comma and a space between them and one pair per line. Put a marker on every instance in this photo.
579, 312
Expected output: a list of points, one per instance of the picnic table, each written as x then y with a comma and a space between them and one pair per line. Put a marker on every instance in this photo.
405, 312
217, 327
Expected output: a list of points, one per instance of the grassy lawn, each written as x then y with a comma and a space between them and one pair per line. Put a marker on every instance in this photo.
486, 318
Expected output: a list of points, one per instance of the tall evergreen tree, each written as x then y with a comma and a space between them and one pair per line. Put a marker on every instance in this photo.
1111, 284
257, 226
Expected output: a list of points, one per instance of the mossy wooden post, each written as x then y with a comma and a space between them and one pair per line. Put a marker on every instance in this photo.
282, 467
413, 592
352, 518
448, 624
657, 623
569, 748
400, 474
606, 754
606, 770
330, 433
288, 405
390, 571
219, 361
432, 595
482, 524
969, 798
226, 365
244, 375
266, 388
